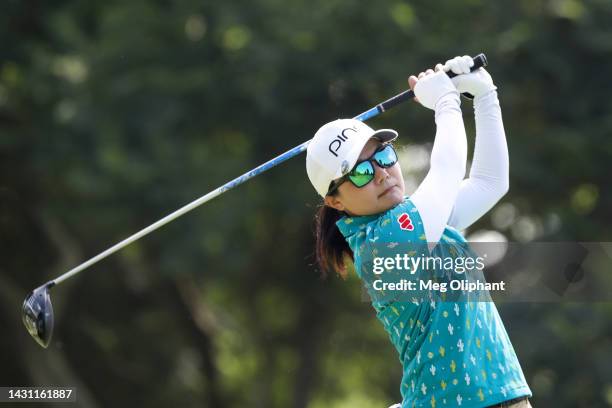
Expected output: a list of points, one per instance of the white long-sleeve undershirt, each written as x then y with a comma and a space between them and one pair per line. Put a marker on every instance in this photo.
435, 197
444, 197
488, 180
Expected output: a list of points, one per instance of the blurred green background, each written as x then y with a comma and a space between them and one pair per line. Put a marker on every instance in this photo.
115, 113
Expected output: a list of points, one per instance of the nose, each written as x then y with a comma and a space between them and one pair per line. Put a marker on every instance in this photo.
380, 173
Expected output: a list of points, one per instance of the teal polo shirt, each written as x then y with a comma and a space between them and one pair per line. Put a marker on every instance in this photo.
454, 350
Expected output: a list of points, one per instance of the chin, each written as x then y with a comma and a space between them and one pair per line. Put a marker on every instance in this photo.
392, 198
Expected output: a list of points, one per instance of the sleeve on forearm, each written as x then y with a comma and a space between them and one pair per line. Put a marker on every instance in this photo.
436, 195
488, 178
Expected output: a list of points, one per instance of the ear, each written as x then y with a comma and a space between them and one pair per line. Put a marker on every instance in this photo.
334, 202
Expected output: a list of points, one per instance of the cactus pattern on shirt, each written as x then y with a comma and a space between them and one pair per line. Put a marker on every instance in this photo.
454, 353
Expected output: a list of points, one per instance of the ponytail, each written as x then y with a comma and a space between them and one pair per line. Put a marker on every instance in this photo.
331, 247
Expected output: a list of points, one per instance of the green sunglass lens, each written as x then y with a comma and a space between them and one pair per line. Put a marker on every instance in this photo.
362, 174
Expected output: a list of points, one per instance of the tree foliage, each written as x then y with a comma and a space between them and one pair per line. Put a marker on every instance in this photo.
113, 114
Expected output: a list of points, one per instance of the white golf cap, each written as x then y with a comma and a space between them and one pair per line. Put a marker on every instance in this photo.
335, 148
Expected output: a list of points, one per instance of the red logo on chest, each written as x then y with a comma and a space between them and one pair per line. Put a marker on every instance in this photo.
405, 222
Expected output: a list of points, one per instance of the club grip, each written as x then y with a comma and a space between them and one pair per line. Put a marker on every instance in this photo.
479, 61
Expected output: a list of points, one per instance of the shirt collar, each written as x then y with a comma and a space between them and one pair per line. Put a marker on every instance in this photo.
349, 225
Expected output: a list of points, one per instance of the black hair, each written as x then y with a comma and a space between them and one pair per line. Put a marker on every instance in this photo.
331, 246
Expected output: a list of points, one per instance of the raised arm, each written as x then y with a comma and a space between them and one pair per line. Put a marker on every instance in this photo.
488, 177
437, 193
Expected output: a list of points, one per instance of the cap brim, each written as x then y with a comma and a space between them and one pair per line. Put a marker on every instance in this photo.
384, 135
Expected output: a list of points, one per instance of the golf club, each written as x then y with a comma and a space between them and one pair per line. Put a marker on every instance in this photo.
37, 311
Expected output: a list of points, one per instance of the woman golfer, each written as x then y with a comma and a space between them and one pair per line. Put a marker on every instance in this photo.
453, 347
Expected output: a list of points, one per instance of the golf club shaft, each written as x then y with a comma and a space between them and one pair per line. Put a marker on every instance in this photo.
196, 203
479, 61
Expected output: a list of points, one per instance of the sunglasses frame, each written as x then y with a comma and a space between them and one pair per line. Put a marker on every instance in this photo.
333, 186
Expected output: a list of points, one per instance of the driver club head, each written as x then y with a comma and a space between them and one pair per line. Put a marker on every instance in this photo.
37, 314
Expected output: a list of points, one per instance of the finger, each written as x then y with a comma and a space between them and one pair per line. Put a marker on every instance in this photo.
452, 59
429, 72
454, 64
464, 67
447, 63
470, 60
465, 64
412, 81
421, 75
439, 67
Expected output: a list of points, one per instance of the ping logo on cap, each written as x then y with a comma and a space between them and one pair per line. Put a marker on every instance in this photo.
335, 144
